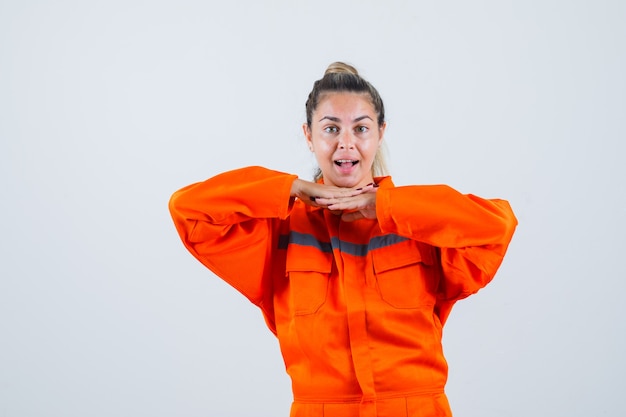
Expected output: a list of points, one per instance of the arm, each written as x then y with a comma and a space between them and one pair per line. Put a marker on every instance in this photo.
229, 223
471, 233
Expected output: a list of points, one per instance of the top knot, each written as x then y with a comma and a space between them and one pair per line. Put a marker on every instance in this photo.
339, 78
341, 68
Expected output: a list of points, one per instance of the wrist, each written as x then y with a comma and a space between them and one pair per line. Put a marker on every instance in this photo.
296, 186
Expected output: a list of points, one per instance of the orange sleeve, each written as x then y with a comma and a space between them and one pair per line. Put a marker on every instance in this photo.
472, 234
230, 224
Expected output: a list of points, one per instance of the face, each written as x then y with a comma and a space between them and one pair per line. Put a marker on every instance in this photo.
345, 136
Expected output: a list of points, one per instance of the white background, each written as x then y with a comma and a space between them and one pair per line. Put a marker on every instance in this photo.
106, 108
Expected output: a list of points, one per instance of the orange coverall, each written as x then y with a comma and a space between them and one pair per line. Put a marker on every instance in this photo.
358, 307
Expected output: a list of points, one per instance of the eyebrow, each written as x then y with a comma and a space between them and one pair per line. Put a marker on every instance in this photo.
337, 120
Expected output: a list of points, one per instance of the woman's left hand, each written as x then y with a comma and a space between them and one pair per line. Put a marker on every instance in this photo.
361, 206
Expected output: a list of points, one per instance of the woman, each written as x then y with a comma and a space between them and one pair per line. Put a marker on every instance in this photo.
355, 276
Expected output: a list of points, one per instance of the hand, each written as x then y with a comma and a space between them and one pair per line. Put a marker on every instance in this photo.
351, 203
361, 206
309, 192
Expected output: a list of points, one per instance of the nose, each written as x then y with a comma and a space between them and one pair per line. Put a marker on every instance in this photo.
346, 141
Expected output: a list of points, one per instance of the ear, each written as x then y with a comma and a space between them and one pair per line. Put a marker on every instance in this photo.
381, 132
307, 136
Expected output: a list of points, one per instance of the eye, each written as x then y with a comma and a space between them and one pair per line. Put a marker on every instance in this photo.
362, 129
331, 129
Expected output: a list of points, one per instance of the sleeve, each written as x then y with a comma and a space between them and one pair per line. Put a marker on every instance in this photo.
230, 224
472, 234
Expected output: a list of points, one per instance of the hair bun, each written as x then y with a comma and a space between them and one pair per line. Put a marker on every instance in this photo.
341, 68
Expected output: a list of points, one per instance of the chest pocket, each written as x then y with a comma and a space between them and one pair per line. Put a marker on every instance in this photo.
406, 275
308, 271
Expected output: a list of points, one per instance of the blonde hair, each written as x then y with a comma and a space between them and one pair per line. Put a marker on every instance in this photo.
339, 77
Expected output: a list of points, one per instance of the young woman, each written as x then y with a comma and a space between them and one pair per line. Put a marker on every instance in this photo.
354, 275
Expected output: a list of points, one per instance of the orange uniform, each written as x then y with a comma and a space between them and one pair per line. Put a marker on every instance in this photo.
358, 307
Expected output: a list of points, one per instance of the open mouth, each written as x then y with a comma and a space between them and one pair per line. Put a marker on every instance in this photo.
346, 162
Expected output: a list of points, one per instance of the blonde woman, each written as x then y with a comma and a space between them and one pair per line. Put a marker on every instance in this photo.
354, 275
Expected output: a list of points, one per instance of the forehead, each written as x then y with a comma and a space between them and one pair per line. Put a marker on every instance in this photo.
347, 103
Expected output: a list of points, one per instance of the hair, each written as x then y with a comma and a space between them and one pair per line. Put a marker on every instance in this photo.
342, 77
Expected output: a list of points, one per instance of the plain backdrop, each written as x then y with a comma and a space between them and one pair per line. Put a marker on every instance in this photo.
108, 107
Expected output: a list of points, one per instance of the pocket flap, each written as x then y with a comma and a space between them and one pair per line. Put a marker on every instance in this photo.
402, 254
308, 259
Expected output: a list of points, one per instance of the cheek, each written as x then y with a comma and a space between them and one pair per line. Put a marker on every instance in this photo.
369, 150
322, 148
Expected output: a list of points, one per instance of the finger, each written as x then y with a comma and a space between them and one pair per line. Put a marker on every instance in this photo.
362, 201
340, 192
346, 205
315, 201
344, 193
336, 200
370, 185
330, 195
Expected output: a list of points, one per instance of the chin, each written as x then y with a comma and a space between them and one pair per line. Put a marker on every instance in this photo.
346, 182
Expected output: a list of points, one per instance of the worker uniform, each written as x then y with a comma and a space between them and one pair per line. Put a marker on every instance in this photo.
358, 307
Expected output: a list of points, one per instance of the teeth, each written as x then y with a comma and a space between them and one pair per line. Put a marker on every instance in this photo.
346, 161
